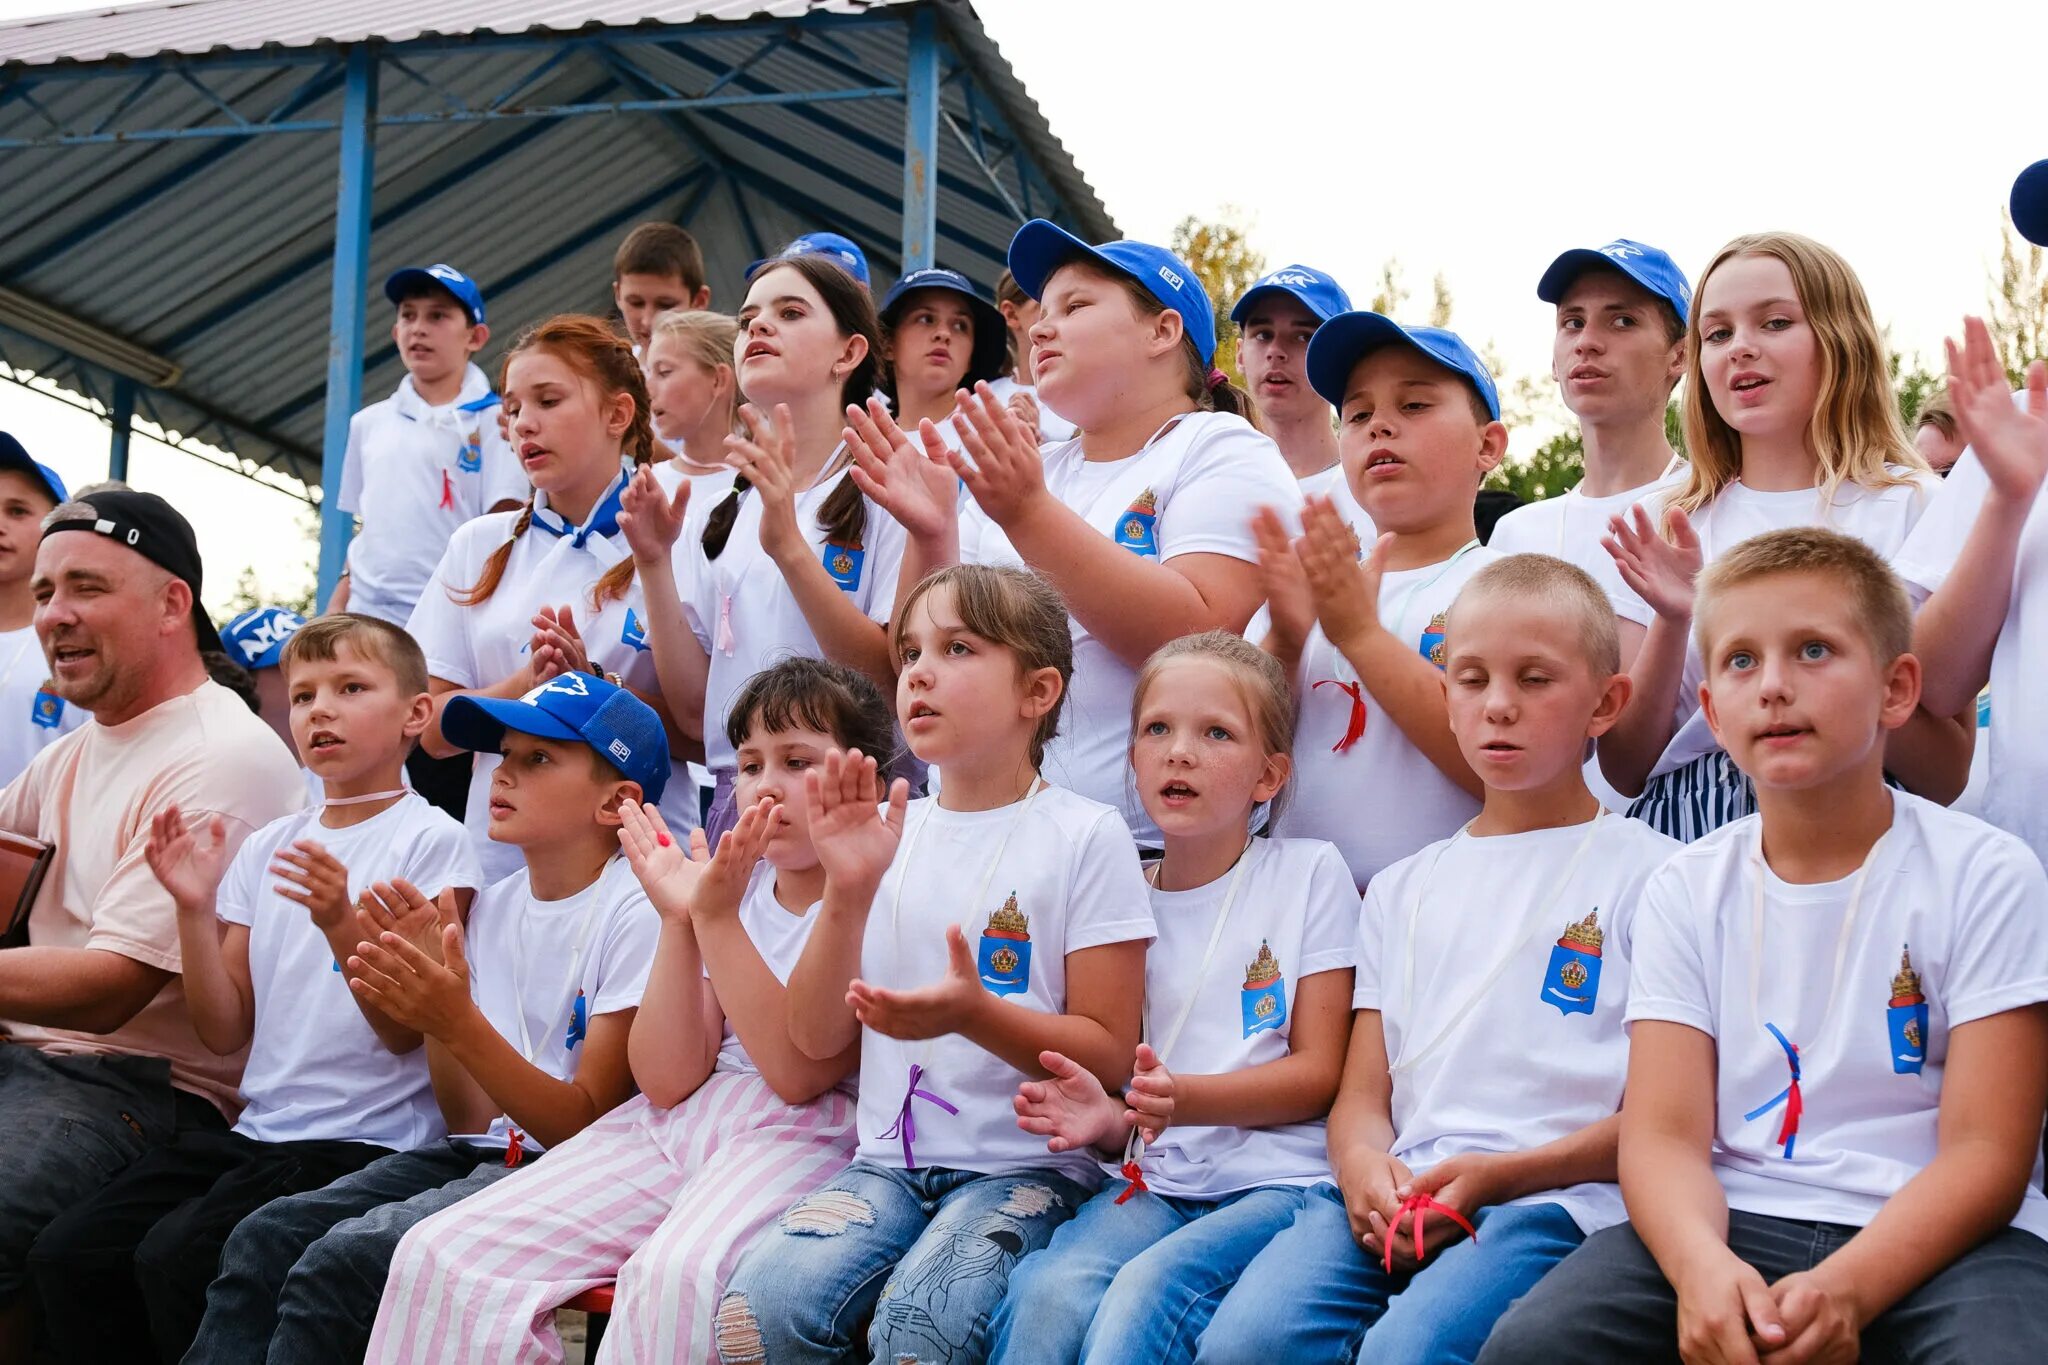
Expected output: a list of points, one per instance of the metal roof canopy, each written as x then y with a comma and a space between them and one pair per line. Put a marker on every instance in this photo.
177, 211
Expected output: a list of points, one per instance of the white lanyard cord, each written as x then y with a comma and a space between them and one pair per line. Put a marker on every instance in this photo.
1410, 1057
568, 991
1756, 924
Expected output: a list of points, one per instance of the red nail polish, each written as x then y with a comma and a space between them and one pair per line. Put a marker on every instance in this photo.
661, 839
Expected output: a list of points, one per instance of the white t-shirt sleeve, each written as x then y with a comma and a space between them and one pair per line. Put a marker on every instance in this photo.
696, 580
442, 625
2000, 960
625, 953
504, 480
351, 499
1329, 930
886, 538
1370, 946
1111, 903
445, 858
235, 902
1937, 538
1667, 975
1229, 472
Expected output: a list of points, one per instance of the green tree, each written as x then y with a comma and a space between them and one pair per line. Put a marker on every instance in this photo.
2018, 316
1390, 298
1227, 264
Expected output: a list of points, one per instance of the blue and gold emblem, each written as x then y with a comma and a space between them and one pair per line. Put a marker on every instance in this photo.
843, 563
633, 633
1573, 981
47, 711
1906, 1018
1264, 1002
1431, 646
579, 1021
1005, 956
1137, 530
471, 458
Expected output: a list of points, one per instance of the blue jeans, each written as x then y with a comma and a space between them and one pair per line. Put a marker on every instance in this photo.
1136, 1281
300, 1278
928, 1251
1313, 1293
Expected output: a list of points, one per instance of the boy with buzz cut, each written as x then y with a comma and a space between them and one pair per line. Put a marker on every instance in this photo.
526, 1018
332, 1083
1838, 1052
1487, 1053
658, 267
1377, 771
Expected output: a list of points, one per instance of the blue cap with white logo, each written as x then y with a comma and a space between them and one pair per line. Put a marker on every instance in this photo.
15, 456
1314, 290
1348, 338
991, 354
830, 244
2030, 203
1039, 248
438, 276
575, 707
256, 638
1646, 265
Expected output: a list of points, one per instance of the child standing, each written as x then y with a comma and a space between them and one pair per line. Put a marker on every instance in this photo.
658, 268
1421, 428
31, 713
946, 1194
1487, 1056
1018, 389
938, 337
1277, 318
1245, 996
733, 1123
1838, 1060
332, 1083
525, 1051
694, 399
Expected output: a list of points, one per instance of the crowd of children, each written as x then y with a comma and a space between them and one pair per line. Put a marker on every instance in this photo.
942, 829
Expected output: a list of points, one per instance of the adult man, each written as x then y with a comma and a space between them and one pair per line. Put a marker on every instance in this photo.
100, 1060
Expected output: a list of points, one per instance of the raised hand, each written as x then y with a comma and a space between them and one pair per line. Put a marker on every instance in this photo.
1070, 1110
910, 480
767, 460
724, 884
1344, 592
2011, 443
932, 1011
651, 521
1659, 568
1148, 1099
1288, 604
557, 644
189, 858
399, 907
668, 873
412, 988
1025, 404
854, 839
1001, 465
315, 879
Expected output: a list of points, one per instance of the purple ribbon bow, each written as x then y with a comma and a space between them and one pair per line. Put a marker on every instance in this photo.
905, 1125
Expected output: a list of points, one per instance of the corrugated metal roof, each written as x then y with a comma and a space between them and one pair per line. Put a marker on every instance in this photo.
217, 253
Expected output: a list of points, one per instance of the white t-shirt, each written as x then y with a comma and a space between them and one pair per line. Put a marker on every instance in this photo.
1967, 903
779, 936
542, 970
31, 714
1191, 490
706, 488
1879, 517
1294, 915
1503, 1011
744, 615
316, 1069
1061, 875
477, 646
414, 473
1569, 527
1052, 428
1330, 483
1382, 798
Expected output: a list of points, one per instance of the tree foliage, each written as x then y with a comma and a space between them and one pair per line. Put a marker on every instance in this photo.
1227, 264
2019, 302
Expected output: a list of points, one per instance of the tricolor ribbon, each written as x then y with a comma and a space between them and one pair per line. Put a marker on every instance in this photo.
447, 491
1795, 1104
1412, 1208
1355, 729
905, 1125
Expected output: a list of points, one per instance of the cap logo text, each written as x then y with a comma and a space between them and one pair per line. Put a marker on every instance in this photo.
620, 750
1166, 273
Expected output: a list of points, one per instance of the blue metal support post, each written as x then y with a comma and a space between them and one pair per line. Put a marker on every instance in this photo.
921, 141
122, 417
347, 315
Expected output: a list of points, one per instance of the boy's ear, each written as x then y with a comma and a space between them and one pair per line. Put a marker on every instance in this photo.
1493, 447
1713, 716
479, 337
1042, 689
1676, 371
419, 716
1901, 692
622, 791
1613, 701
701, 300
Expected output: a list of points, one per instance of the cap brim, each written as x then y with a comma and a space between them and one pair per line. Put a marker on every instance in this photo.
2030, 203
1039, 248
394, 288
12, 456
1342, 342
1570, 265
991, 355
1243, 307
480, 723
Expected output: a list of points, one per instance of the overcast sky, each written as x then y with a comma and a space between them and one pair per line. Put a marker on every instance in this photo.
1476, 139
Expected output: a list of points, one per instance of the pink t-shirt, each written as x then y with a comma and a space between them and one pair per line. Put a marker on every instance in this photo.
93, 794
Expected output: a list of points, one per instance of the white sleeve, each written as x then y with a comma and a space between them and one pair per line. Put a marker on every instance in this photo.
626, 954
694, 579
1108, 901
504, 480
885, 541
1329, 929
1930, 551
351, 499
1228, 474
1667, 977
444, 857
442, 625
1998, 960
235, 902
1371, 944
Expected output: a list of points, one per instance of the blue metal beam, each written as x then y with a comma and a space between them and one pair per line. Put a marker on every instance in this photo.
348, 311
121, 416
920, 141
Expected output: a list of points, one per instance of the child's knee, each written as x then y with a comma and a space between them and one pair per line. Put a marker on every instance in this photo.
827, 1213
736, 1331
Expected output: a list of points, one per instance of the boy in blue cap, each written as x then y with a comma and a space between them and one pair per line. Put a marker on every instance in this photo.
1276, 319
1617, 350
31, 712
526, 1018
1363, 634
256, 640
841, 250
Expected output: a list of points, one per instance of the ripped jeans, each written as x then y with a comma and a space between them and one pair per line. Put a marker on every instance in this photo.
928, 1252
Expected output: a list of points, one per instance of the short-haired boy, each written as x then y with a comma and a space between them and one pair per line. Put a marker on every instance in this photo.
1377, 771
331, 1083
1487, 1053
31, 712
1838, 1056
658, 267
526, 1018
1276, 319
431, 456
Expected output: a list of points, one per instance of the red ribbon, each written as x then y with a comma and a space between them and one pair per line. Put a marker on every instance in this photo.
447, 491
1134, 1173
512, 1147
1413, 1207
1355, 730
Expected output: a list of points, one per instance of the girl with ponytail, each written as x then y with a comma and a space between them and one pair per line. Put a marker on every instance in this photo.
793, 560
523, 597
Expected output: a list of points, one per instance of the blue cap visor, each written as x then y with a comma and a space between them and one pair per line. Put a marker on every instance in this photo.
480, 723
1576, 262
1343, 341
395, 290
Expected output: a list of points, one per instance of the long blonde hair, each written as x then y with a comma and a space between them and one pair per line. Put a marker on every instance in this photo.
707, 338
1855, 430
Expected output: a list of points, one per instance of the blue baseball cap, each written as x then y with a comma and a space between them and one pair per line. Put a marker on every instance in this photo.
1312, 289
256, 638
14, 456
438, 276
1039, 248
840, 249
1646, 265
2030, 203
991, 354
1348, 338
576, 707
